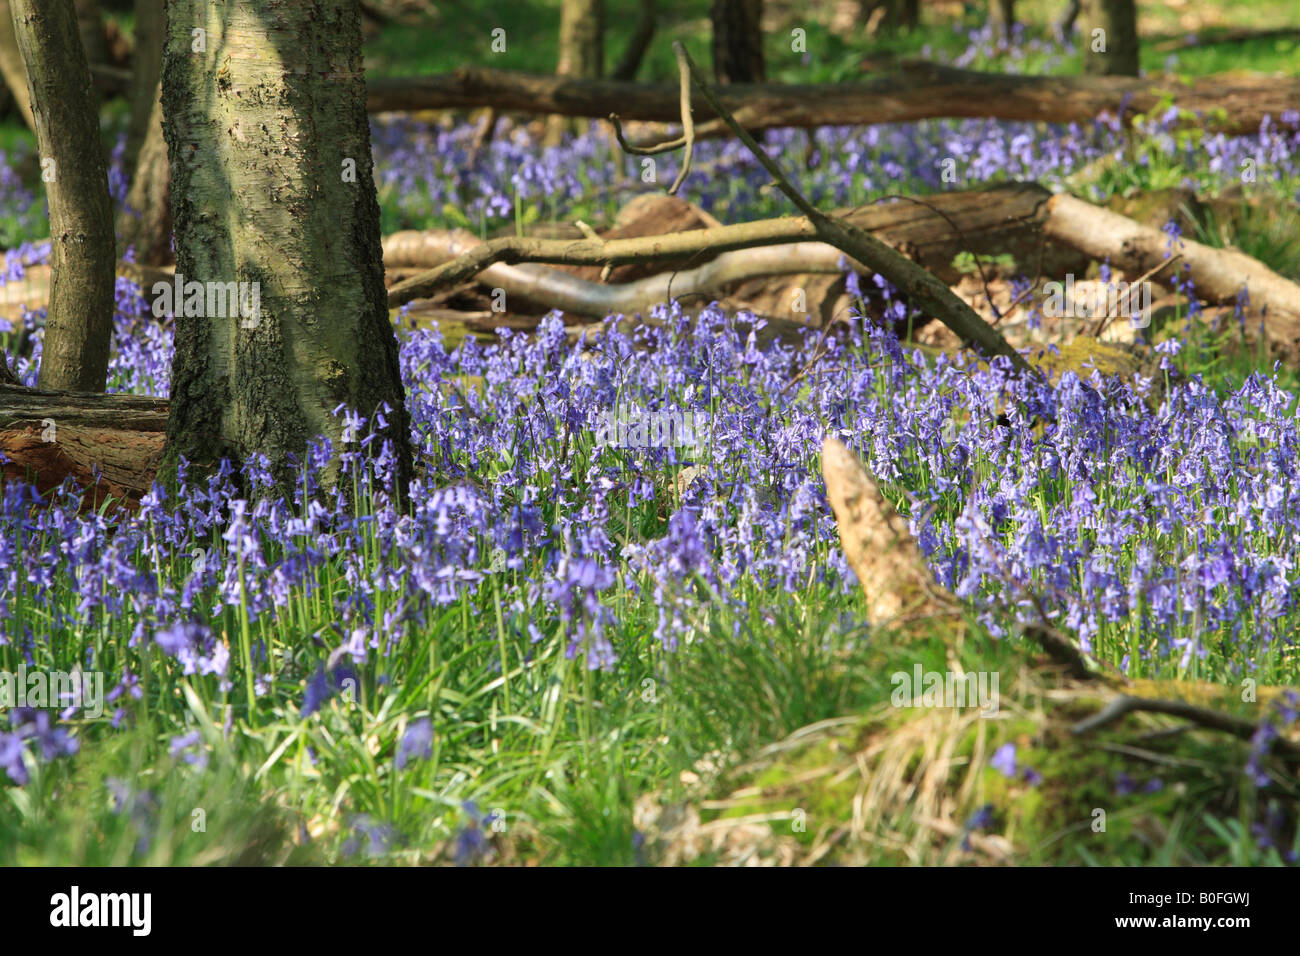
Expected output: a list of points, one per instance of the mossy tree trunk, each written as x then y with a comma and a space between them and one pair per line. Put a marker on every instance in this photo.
79, 326
272, 183
738, 41
1114, 51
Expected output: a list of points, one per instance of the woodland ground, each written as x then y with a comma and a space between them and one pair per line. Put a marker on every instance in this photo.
666, 671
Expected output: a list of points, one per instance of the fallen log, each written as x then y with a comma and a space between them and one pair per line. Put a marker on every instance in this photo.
110, 444
918, 91
1002, 219
1219, 275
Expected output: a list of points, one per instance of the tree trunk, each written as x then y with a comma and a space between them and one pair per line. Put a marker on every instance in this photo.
1065, 26
582, 52
1114, 50
630, 62
12, 68
146, 68
144, 224
738, 41
273, 186
94, 35
899, 16
1003, 15
79, 326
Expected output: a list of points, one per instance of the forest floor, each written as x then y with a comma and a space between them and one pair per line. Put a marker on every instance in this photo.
572, 650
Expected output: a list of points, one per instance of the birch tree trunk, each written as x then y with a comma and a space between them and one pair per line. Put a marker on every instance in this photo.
272, 183
79, 326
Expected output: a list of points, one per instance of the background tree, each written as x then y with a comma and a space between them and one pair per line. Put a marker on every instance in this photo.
11, 66
582, 52
94, 34
635, 51
1118, 20
1003, 15
145, 222
78, 329
272, 182
738, 41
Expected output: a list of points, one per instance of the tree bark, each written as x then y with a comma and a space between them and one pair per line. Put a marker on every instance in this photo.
79, 326
738, 41
1114, 51
272, 183
12, 68
919, 91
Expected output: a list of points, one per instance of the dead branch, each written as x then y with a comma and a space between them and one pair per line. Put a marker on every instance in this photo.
1121, 706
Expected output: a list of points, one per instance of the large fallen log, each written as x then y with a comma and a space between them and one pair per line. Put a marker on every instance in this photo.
1219, 275
110, 444
1001, 219
918, 91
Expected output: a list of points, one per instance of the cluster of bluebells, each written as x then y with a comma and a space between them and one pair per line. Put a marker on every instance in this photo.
448, 183
1155, 536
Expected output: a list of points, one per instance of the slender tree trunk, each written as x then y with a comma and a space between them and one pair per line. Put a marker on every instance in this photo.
272, 183
582, 52
1003, 15
1110, 38
94, 36
146, 68
738, 41
12, 68
582, 35
1065, 26
909, 14
635, 52
79, 326
144, 224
